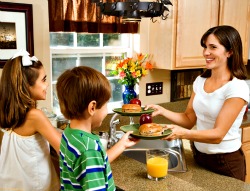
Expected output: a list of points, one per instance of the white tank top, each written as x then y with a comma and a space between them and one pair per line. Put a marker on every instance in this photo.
25, 164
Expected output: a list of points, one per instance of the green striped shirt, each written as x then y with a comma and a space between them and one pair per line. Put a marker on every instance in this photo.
84, 163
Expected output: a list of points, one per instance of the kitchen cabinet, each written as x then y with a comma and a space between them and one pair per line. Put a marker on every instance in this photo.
175, 42
237, 15
246, 149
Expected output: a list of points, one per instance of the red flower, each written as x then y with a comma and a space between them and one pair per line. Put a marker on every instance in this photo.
122, 74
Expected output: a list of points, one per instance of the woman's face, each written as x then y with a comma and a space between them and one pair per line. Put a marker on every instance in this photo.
39, 89
215, 54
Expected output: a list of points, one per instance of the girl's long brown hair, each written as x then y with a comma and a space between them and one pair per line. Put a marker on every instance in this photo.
15, 98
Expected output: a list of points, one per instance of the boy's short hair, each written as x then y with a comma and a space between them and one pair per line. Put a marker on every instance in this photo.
77, 87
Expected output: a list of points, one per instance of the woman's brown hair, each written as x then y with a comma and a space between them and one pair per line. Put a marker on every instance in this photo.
77, 87
229, 37
15, 98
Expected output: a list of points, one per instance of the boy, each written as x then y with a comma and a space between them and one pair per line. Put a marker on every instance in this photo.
83, 95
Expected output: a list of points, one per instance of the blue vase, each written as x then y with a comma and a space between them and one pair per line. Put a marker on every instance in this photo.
128, 94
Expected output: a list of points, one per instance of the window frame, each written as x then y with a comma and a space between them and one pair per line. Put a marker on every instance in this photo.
101, 50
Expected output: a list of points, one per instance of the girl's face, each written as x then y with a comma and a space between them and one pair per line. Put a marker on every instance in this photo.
39, 89
99, 115
215, 54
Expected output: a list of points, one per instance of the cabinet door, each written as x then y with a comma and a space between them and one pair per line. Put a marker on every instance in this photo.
161, 39
237, 14
246, 149
194, 18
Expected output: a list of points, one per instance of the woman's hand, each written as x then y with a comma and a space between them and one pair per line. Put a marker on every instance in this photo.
177, 132
158, 110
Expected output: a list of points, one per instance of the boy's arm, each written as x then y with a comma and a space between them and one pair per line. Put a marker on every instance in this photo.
115, 151
121, 145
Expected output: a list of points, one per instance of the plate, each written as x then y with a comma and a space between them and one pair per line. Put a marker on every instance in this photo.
135, 129
119, 111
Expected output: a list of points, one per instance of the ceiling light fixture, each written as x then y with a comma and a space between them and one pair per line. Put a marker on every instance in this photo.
134, 10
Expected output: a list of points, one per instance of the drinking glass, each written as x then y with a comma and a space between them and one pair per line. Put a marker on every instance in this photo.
157, 164
104, 139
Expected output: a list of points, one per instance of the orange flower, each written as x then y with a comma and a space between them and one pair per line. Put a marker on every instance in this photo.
140, 56
149, 66
130, 70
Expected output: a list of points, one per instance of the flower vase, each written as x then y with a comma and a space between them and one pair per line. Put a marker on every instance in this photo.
128, 94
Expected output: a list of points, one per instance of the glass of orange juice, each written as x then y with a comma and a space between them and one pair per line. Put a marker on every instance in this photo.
157, 164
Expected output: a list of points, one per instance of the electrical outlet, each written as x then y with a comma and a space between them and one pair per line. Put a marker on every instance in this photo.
154, 88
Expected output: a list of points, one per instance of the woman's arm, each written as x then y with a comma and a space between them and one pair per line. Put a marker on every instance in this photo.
229, 112
186, 119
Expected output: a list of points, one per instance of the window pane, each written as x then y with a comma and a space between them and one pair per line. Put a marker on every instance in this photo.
59, 65
93, 62
88, 40
56, 107
99, 51
116, 90
61, 39
116, 40
110, 64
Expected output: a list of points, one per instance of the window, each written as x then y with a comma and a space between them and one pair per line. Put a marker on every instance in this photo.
94, 50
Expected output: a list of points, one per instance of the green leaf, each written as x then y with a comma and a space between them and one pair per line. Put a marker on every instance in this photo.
114, 73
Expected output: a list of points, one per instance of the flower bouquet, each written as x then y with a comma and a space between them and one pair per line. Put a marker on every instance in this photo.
130, 71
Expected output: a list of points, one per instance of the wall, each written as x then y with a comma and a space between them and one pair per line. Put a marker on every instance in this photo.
41, 40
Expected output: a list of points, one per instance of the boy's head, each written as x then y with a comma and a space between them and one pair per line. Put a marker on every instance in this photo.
77, 87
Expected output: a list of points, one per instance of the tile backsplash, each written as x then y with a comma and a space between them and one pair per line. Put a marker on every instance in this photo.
182, 83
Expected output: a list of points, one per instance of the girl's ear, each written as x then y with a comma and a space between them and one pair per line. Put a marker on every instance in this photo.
92, 107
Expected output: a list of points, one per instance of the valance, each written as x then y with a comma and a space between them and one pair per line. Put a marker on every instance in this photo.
84, 16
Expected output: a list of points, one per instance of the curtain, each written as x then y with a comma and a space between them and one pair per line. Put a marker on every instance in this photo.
84, 16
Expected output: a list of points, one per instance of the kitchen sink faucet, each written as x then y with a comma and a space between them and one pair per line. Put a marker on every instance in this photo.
112, 130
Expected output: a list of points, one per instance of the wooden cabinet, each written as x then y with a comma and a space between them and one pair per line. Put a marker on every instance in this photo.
246, 149
175, 42
237, 15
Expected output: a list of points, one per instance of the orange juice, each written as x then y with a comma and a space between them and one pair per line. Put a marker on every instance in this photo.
157, 167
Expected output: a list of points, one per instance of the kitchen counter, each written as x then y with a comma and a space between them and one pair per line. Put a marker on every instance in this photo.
130, 175
178, 106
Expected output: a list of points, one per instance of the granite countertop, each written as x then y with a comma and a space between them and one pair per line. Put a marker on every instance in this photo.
178, 106
130, 175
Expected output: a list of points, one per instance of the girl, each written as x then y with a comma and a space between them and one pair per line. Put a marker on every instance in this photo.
25, 162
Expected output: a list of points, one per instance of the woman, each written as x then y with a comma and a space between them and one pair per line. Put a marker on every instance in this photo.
216, 106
